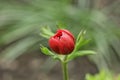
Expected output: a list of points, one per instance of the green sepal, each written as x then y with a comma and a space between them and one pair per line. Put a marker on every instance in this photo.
46, 51
79, 54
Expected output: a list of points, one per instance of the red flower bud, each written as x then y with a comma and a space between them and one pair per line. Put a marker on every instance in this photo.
62, 42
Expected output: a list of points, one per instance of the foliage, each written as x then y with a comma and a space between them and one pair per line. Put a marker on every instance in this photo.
102, 76
22, 20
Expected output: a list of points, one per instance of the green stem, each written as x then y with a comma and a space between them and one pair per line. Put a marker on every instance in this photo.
65, 69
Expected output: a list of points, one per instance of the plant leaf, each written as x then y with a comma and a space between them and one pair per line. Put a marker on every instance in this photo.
81, 41
80, 53
46, 51
46, 32
80, 35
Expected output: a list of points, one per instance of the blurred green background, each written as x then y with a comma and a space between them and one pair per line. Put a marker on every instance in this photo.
21, 22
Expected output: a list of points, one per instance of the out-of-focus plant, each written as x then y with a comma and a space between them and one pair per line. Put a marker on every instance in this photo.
21, 21
103, 75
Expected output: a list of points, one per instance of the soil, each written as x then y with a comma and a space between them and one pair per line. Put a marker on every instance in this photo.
36, 66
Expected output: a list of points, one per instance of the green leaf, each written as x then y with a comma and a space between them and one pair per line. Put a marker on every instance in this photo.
46, 32
89, 77
80, 35
81, 41
80, 53
46, 51
103, 75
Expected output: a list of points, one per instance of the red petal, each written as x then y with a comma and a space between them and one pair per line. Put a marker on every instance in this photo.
67, 32
67, 44
54, 44
62, 42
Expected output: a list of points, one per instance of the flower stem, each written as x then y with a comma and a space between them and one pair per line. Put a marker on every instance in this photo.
65, 70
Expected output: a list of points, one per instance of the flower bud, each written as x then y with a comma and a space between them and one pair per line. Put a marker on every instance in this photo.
62, 42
